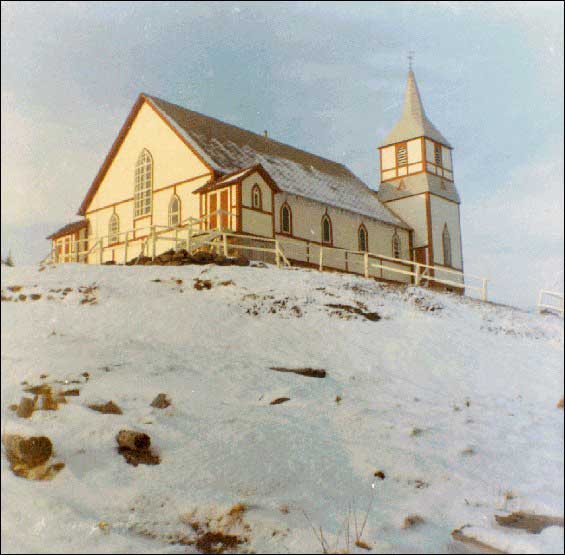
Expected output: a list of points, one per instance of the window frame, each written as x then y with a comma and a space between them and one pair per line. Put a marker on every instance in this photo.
326, 218
174, 198
256, 189
362, 230
399, 146
396, 245
447, 247
284, 207
114, 229
143, 185
438, 155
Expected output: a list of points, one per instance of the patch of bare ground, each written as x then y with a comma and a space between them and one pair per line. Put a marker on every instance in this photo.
308, 372
200, 284
346, 311
532, 523
28, 457
411, 521
477, 546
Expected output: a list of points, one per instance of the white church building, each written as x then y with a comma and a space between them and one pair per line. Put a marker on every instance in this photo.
175, 178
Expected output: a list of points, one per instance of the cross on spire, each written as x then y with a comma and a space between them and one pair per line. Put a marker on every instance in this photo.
411, 55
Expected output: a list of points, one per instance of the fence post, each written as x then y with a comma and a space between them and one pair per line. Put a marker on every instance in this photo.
277, 254
225, 241
321, 258
189, 238
417, 281
484, 290
101, 247
126, 241
176, 238
366, 263
154, 245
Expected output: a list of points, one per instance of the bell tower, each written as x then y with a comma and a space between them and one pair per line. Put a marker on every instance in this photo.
417, 183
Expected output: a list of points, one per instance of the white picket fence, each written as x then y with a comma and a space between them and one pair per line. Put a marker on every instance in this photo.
193, 234
544, 301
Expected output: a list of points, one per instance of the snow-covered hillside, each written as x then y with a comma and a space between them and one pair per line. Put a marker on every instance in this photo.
444, 408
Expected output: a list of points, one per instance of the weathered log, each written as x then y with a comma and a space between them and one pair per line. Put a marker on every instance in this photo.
136, 441
308, 372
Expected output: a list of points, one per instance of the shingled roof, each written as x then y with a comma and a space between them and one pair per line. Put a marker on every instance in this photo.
68, 229
227, 149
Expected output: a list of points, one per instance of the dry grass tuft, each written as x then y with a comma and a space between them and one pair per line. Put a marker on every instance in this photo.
560, 403
162, 401
532, 523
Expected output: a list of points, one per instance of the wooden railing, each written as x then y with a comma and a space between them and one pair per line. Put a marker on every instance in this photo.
183, 234
418, 272
544, 304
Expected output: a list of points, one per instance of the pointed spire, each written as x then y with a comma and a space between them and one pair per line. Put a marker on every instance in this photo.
413, 121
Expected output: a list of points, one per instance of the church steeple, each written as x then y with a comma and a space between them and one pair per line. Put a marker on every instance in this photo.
413, 121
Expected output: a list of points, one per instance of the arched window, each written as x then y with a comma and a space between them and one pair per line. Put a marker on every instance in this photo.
363, 237
446, 240
113, 229
326, 230
286, 219
143, 184
396, 245
256, 200
174, 211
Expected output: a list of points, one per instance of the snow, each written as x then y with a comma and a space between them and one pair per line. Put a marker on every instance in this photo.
454, 400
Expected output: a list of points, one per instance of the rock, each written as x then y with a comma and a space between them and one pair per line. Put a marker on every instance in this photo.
380, 474
35, 296
279, 400
533, 523
162, 401
204, 257
200, 284
180, 254
560, 403
28, 457
110, 263
133, 440
241, 261
411, 521
107, 408
26, 407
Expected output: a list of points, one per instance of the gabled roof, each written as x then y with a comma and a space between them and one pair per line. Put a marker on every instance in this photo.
413, 121
227, 148
235, 177
68, 229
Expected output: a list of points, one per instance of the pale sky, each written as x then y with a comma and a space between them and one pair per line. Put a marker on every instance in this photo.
325, 77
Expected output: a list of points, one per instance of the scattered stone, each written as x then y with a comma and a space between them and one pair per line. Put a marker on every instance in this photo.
279, 400
14, 288
308, 372
379, 474
533, 523
468, 452
135, 448
338, 399
35, 296
560, 403
26, 407
86, 375
71, 393
226, 283
107, 408
347, 309
162, 401
363, 545
200, 284
411, 521
415, 432
22, 297
28, 457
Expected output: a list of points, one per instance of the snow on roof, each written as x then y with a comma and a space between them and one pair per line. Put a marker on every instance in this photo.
413, 122
227, 148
